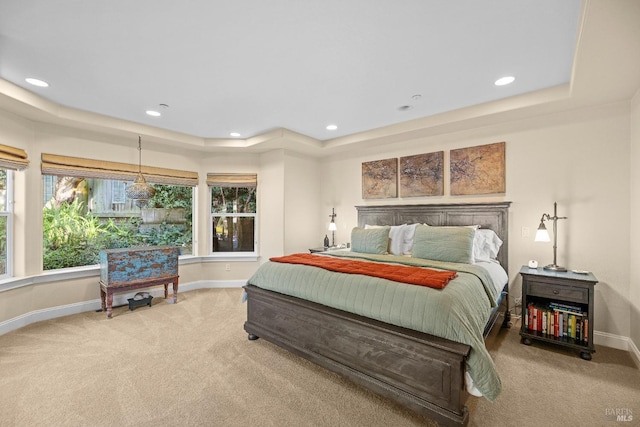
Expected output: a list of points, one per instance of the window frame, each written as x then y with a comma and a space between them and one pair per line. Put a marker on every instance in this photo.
109, 211
8, 213
232, 256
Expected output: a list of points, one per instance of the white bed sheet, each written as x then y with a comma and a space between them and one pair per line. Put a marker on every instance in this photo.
497, 273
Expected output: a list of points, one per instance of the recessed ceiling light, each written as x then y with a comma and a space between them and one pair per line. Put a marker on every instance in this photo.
153, 113
36, 82
234, 134
332, 127
504, 81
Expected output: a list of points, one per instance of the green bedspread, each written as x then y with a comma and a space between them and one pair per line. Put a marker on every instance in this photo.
458, 312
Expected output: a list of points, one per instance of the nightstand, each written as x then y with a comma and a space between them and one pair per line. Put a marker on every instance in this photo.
319, 249
330, 248
557, 307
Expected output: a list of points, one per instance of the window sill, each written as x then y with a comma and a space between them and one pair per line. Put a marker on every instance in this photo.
233, 257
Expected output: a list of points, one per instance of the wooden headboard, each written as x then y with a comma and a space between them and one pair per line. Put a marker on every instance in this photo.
494, 216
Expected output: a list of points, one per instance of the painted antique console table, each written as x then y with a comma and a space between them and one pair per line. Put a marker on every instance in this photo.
135, 268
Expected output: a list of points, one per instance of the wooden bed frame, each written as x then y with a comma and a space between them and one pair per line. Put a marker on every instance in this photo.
420, 371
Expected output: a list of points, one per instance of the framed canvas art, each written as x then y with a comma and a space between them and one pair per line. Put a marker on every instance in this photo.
380, 179
478, 170
422, 175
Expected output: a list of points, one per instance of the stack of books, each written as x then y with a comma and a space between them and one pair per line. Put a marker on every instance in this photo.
558, 320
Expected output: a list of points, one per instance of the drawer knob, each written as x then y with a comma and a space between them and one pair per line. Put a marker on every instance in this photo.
556, 292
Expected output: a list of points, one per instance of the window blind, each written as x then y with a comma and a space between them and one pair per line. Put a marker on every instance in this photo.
232, 180
13, 158
53, 164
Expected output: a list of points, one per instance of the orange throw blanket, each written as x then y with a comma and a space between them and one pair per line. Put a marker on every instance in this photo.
399, 273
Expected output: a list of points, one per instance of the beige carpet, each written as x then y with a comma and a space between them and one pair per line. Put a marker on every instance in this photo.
190, 364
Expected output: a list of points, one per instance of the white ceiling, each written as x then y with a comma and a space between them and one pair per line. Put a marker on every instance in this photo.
252, 66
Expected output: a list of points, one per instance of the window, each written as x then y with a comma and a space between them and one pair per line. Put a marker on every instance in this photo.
6, 188
11, 159
87, 210
233, 213
118, 195
82, 218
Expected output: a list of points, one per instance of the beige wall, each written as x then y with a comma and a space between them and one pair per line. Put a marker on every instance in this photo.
634, 292
302, 203
288, 188
271, 203
577, 158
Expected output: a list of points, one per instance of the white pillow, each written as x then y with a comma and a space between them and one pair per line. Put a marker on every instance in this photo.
396, 237
486, 245
410, 231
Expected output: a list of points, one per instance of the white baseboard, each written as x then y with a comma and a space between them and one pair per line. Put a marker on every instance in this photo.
47, 314
635, 353
615, 341
94, 305
209, 284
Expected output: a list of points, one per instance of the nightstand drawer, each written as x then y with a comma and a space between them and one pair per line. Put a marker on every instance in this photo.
567, 293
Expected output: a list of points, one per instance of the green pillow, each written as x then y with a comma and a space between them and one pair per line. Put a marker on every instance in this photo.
370, 241
450, 244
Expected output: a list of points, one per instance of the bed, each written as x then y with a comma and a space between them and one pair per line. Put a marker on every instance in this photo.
417, 369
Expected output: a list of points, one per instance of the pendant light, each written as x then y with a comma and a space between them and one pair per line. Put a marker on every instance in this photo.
140, 192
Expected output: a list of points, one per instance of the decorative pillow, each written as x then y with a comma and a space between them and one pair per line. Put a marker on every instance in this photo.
396, 237
370, 241
450, 244
486, 245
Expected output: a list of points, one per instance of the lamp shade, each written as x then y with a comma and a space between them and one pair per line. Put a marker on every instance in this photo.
542, 235
332, 226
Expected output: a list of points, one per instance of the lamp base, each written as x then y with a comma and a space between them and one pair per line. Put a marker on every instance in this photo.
554, 267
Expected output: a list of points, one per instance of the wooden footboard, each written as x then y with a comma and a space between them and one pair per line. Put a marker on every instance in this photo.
420, 371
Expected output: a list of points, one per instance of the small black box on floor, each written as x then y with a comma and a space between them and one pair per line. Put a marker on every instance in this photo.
139, 302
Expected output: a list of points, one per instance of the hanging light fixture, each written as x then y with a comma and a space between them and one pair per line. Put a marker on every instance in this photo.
140, 192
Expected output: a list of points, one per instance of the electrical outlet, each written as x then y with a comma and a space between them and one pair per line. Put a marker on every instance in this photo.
227, 267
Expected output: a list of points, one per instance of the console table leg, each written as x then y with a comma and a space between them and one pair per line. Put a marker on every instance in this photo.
109, 304
175, 292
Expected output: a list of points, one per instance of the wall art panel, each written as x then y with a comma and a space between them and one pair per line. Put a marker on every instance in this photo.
478, 170
380, 179
422, 175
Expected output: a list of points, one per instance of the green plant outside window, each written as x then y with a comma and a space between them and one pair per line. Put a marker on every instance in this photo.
82, 218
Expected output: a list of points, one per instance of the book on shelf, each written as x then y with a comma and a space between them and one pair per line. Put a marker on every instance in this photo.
566, 308
557, 320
